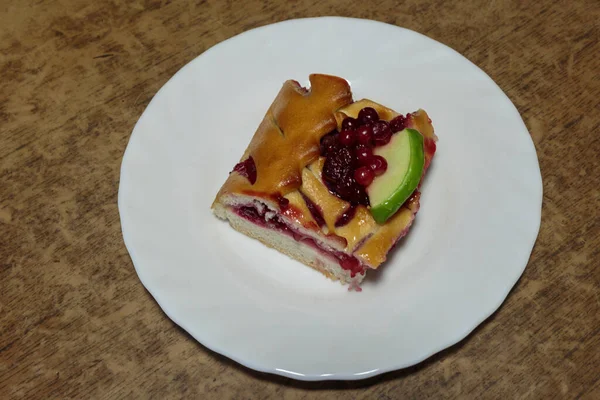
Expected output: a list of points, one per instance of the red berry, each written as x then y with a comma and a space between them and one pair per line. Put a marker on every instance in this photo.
364, 176
364, 134
381, 133
383, 139
368, 115
349, 123
347, 138
363, 154
378, 165
398, 123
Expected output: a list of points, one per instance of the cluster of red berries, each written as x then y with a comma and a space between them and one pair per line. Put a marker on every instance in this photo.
351, 165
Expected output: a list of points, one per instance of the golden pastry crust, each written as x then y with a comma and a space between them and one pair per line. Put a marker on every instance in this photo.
285, 149
289, 135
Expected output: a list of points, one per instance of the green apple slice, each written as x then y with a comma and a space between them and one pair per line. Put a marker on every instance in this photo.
405, 158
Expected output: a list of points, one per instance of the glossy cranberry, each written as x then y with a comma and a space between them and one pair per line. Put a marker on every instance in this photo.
347, 138
378, 165
364, 134
380, 126
382, 139
364, 176
382, 133
368, 115
247, 168
363, 154
329, 143
349, 123
398, 123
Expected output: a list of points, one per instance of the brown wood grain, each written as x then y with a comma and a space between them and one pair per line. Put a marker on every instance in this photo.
75, 322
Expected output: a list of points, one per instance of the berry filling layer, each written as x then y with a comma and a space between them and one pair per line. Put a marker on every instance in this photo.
259, 214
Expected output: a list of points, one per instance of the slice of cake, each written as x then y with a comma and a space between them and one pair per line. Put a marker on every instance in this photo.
327, 181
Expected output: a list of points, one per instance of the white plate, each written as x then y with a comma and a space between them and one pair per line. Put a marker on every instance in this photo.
471, 240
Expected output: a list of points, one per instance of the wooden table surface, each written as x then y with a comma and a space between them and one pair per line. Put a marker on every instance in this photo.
75, 321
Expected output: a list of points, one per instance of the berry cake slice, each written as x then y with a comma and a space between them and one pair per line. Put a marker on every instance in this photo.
329, 182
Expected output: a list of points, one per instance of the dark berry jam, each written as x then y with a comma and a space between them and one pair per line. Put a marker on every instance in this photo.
346, 216
315, 210
257, 214
247, 168
282, 202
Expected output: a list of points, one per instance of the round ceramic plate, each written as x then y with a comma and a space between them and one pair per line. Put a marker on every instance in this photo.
479, 216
